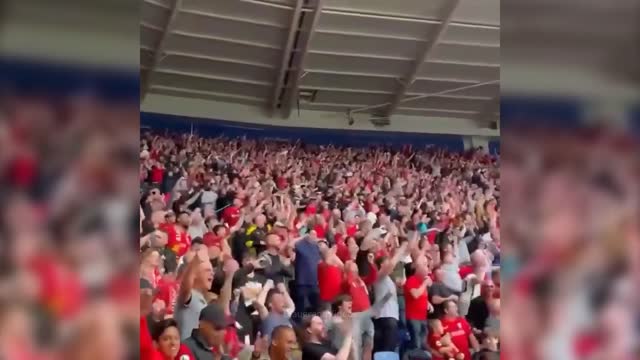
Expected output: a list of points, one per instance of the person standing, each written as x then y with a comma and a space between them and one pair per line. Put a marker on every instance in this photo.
179, 239
276, 309
194, 288
479, 308
439, 293
307, 254
363, 330
417, 303
329, 275
387, 317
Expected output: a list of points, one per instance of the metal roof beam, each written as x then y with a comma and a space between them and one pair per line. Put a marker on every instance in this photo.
410, 78
302, 52
426, 95
286, 55
387, 76
158, 54
199, 75
218, 59
225, 95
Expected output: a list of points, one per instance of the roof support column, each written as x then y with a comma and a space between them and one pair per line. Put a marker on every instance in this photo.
301, 53
286, 55
424, 55
158, 54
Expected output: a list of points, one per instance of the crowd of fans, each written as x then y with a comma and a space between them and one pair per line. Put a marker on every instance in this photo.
265, 249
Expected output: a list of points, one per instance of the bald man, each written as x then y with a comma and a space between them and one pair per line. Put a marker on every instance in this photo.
282, 346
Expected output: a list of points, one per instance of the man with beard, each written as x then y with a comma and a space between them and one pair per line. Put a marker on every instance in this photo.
316, 345
178, 235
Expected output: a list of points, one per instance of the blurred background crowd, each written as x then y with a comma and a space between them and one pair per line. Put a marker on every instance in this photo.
68, 189
570, 263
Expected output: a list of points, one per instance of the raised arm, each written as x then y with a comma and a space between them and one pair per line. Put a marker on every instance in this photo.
226, 293
347, 343
289, 306
388, 267
259, 303
189, 277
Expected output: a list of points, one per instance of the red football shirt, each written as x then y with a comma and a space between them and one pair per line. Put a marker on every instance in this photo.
281, 183
168, 292
435, 344
356, 288
415, 308
23, 171
460, 330
210, 239
147, 351
178, 242
431, 236
231, 215
342, 250
184, 353
60, 288
311, 209
329, 281
372, 276
321, 231
232, 341
157, 174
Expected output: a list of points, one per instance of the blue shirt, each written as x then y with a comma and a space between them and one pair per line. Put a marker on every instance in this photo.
306, 264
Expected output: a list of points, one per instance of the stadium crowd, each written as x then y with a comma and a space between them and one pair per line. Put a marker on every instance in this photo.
262, 249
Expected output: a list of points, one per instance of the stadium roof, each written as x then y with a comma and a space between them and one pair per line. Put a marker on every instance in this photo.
438, 58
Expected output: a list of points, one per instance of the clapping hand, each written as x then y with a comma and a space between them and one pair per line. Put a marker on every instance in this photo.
230, 267
261, 345
345, 325
269, 284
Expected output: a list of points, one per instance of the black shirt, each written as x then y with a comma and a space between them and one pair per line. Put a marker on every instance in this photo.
314, 351
478, 313
243, 315
170, 260
277, 271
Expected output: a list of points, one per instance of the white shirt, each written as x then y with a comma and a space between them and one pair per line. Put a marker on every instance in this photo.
209, 197
390, 308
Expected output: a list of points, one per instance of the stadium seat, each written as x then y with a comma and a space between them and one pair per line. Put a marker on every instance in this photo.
386, 355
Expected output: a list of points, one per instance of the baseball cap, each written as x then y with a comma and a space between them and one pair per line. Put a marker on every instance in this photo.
214, 315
